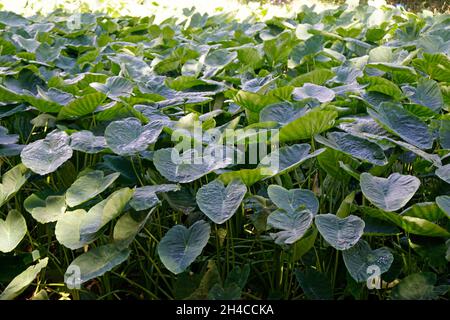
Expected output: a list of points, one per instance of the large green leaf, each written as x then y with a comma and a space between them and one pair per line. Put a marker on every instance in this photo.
13, 19
219, 203
128, 136
288, 158
357, 147
254, 102
403, 123
361, 257
340, 233
7, 95
74, 229
427, 94
42, 104
389, 194
330, 161
114, 87
45, 210
180, 246
293, 224
437, 66
425, 210
313, 122
145, 197
278, 48
103, 212
12, 231
219, 58
305, 50
282, 113
23, 280
187, 166
294, 199
85, 105
313, 91
317, 76
128, 226
12, 181
382, 85
95, 263
46, 155
88, 186
67, 230
433, 158
86, 141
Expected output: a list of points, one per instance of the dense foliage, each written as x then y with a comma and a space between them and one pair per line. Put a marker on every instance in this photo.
90, 194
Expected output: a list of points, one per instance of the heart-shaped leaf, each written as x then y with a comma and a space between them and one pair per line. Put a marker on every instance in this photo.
45, 211
403, 123
76, 228
357, 147
307, 126
186, 167
12, 231
95, 263
128, 136
313, 91
180, 246
128, 226
426, 94
12, 181
254, 102
389, 194
67, 230
294, 199
145, 197
340, 233
82, 106
293, 223
85, 141
360, 259
114, 87
282, 113
316, 76
382, 85
218, 202
88, 186
23, 280
46, 155
103, 212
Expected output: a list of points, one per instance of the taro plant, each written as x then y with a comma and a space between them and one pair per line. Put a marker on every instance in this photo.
203, 157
